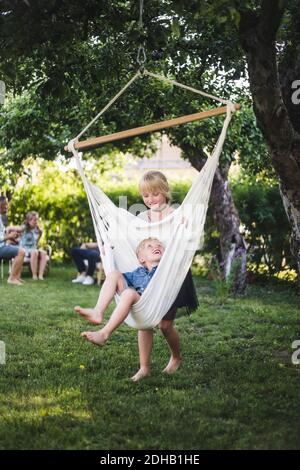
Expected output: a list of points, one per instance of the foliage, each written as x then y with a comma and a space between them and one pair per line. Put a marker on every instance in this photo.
68, 82
57, 194
67, 60
64, 62
265, 223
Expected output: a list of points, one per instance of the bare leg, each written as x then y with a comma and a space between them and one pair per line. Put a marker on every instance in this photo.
42, 264
34, 264
17, 268
113, 283
172, 337
145, 340
128, 298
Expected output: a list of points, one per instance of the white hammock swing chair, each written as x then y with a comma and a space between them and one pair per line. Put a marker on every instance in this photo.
118, 231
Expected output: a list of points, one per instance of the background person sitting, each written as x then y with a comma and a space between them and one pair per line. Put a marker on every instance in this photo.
4, 210
89, 252
8, 251
29, 241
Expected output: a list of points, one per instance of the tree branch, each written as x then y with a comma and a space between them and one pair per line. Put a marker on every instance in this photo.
270, 19
263, 26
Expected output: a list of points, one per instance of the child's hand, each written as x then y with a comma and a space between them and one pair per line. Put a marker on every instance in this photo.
12, 235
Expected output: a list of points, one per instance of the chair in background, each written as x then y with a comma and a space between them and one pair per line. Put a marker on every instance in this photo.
100, 274
48, 250
2, 267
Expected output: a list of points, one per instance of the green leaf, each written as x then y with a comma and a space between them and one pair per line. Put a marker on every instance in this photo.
176, 28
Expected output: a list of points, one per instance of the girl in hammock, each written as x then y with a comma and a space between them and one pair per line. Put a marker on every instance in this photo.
155, 191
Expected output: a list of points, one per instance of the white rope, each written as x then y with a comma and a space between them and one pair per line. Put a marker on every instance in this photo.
118, 233
180, 85
181, 240
137, 75
141, 14
162, 78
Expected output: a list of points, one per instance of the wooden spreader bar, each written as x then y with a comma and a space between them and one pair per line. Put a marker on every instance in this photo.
96, 141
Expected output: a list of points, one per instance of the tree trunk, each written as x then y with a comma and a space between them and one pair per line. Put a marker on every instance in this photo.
232, 244
294, 218
258, 34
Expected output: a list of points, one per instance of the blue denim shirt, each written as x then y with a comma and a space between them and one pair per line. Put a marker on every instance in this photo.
30, 239
139, 278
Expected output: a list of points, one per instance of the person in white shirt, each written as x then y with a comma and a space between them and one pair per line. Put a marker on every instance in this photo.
8, 251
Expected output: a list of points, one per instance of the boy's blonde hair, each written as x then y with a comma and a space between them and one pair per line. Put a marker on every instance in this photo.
155, 181
142, 244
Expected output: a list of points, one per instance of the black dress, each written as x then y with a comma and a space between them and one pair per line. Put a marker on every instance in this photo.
187, 296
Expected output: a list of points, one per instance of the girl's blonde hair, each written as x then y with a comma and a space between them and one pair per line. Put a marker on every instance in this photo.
155, 181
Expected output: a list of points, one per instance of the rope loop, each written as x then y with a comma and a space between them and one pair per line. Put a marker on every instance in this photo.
141, 14
230, 106
71, 145
141, 55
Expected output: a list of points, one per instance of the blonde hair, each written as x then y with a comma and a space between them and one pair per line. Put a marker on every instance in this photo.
155, 181
142, 244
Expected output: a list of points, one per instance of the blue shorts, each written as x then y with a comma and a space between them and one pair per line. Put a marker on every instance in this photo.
9, 251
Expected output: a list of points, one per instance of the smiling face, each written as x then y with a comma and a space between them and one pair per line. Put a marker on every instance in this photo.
154, 189
32, 220
154, 200
150, 251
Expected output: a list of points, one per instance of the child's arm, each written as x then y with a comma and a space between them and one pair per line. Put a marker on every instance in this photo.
10, 235
91, 246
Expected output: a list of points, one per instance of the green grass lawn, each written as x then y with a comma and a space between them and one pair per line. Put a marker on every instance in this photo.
237, 388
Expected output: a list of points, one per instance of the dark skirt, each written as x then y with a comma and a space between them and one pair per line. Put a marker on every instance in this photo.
186, 297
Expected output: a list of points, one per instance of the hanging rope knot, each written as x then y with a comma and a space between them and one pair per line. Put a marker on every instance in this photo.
71, 145
141, 55
231, 106
142, 71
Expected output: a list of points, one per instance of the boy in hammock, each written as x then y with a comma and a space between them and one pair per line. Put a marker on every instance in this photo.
149, 253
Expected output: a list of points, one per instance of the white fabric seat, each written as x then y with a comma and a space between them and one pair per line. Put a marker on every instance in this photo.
118, 233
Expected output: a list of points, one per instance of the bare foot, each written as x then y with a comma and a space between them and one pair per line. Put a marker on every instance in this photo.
90, 314
41, 278
141, 374
14, 281
173, 366
34, 277
97, 337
